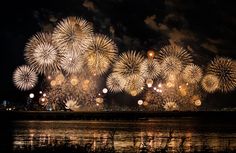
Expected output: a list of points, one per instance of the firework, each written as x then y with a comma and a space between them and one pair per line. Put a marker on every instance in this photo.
170, 104
42, 55
115, 82
149, 83
196, 100
73, 34
73, 62
225, 70
72, 104
134, 85
210, 83
192, 74
153, 98
171, 66
24, 77
151, 69
55, 97
151, 54
177, 52
100, 54
129, 64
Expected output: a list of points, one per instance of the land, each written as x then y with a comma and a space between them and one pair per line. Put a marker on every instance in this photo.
115, 115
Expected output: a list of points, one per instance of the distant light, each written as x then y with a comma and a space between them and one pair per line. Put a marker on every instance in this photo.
169, 84
149, 83
150, 54
40, 92
104, 90
198, 102
97, 104
44, 95
53, 83
31, 95
99, 100
49, 77
4, 103
155, 88
140, 102
145, 103
43, 99
159, 85
142, 88
133, 93
99, 94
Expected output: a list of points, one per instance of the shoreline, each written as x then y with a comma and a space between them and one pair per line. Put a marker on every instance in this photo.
115, 115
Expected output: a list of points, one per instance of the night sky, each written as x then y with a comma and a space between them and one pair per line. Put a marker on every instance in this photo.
206, 28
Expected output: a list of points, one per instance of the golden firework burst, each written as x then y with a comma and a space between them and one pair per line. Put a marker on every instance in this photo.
210, 83
129, 64
73, 33
24, 77
100, 54
225, 70
192, 74
175, 51
150, 68
42, 55
115, 82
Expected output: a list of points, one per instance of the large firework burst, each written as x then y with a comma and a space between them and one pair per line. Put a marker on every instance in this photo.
151, 68
24, 77
192, 73
225, 70
115, 82
73, 62
129, 64
175, 51
73, 33
100, 54
210, 83
41, 54
171, 66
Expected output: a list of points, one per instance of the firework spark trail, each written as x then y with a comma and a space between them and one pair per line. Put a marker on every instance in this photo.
100, 54
192, 74
73, 33
210, 83
151, 69
129, 65
73, 62
42, 55
134, 85
115, 82
171, 67
225, 70
24, 77
175, 51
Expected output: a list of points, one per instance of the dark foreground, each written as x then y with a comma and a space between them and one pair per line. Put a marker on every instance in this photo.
108, 132
62, 115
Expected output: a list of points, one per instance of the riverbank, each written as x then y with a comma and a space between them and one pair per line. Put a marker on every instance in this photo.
129, 115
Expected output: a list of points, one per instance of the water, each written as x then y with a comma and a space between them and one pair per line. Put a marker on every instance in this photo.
171, 134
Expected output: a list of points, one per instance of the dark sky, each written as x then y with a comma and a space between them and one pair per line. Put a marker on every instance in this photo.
206, 28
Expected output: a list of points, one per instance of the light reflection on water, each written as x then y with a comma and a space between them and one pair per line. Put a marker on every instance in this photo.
127, 136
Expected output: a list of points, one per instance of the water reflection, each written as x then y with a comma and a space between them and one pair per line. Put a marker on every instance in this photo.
150, 136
